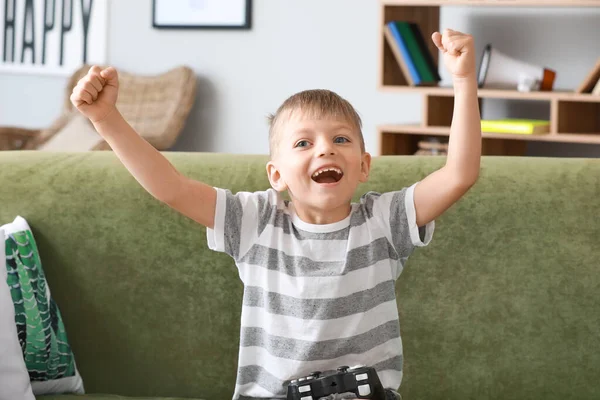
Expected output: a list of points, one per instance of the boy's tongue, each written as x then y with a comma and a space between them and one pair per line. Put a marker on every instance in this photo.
327, 177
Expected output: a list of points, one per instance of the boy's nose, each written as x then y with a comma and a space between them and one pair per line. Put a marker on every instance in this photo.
326, 149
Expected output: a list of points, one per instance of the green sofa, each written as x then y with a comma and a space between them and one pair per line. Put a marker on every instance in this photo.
503, 304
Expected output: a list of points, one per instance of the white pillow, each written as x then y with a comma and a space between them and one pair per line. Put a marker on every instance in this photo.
14, 379
52, 369
77, 135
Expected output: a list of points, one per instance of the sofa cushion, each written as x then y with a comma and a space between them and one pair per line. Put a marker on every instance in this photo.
40, 329
14, 379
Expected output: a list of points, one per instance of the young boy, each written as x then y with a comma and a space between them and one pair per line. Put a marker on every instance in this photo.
319, 271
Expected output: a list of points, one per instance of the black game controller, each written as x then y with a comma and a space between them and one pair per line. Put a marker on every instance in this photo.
360, 380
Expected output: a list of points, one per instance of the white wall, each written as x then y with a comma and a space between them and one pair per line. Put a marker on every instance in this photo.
301, 44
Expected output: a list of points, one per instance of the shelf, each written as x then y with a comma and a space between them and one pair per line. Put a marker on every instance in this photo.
574, 117
495, 3
588, 138
496, 93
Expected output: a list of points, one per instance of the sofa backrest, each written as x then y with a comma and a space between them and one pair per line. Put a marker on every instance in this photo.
502, 304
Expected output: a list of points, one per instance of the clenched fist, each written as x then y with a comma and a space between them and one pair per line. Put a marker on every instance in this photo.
458, 50
95, 95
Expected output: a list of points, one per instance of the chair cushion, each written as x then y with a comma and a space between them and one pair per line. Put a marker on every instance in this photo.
77, 135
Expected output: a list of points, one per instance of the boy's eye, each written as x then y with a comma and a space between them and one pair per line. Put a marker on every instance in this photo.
302, 143
343, 139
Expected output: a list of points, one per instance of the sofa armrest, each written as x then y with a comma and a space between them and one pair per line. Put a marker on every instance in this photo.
13, 138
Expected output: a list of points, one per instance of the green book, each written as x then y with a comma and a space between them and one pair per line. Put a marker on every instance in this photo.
415, 51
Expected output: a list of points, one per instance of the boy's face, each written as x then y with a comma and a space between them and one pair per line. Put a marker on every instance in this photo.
319, 162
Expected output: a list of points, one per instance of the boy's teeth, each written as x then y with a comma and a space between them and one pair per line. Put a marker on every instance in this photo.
326, 169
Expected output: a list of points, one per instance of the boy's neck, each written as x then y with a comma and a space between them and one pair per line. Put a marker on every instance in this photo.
316, 216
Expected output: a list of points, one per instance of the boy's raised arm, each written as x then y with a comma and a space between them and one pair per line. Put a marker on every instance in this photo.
441, 189
95, 96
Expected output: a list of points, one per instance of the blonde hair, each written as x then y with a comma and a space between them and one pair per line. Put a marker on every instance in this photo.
316, 103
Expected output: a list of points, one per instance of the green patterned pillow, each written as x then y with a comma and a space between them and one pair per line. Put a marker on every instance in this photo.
42, 335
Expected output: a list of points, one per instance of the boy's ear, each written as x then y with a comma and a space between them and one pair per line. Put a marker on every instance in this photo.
275, 177
365, 167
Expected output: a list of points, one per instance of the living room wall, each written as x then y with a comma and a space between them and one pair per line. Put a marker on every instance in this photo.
300, 44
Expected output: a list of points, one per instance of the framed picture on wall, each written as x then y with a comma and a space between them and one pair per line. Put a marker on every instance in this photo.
201, 14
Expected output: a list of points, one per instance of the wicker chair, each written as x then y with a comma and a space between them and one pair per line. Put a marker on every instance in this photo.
156, 106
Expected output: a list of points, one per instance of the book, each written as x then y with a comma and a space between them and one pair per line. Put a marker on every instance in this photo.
415, 52
425, 50
515, 125
592, 77
389, 37
402, 55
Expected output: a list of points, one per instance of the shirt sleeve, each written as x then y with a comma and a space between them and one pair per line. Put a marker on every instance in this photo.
395, 213
239, 219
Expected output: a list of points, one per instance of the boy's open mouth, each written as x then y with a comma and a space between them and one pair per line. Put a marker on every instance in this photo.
328, 175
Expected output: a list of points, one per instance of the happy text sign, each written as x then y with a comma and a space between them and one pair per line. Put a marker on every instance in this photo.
52, 36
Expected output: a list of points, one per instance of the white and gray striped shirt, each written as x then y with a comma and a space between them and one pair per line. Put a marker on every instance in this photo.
316, 296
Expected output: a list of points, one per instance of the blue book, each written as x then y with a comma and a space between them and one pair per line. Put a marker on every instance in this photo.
404, 51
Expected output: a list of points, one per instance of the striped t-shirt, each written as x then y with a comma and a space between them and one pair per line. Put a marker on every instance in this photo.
316, 297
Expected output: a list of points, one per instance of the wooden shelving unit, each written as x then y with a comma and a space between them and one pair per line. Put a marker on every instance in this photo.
574, 117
